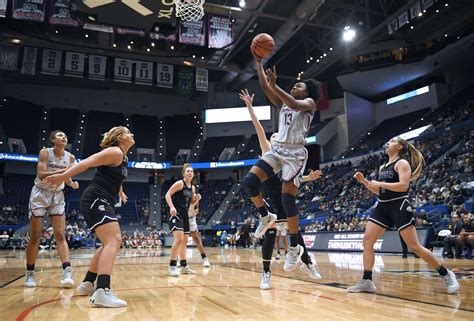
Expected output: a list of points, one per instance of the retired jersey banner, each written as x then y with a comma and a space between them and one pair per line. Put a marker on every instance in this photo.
143, 73
28, 67
415, 10
185, 80
60, 14
74, 65
123, 70
202, 79
164, 75
3, 8
29, 10
192, 33
403, 19
219, 31
9, 57
51, 62
97, 66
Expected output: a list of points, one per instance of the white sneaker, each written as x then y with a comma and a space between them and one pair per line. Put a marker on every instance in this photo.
264, 224
66, 278
187, 270
364, 285
451, 283
106, 298
293, 257
266, 277
30, 279
85, 288
206, 263
311, 270
173, 271
278, 256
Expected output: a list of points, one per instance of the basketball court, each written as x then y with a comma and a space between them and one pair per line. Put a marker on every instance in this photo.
406, 289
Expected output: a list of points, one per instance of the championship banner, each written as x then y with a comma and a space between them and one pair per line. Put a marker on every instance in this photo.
74, 65
323, 101
96, 27
60, 14
185, 80
3, 8
192, 33
219, 31
202, 79
159, 36
97, 65
415, 10
143, 73
393, 26
403, 19
427, 3
28, 10
9, 57
51, 62
128, 31
123, 70
164, 75
28, 66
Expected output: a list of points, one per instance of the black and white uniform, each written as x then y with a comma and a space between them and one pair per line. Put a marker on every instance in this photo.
97, 201
272, 196
393, 209
44, 198
181, 201
288, 153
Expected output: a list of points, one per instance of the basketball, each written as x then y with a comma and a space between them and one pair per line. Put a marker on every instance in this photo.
263, 45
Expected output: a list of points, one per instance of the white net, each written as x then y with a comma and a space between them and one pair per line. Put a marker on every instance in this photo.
190, 10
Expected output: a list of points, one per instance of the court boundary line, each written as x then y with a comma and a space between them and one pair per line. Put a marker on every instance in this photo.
384, 295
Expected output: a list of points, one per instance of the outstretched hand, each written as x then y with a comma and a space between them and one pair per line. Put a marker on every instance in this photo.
246, 97
313, 175
271, 76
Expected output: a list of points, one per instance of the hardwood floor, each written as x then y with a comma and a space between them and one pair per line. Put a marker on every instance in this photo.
229, 290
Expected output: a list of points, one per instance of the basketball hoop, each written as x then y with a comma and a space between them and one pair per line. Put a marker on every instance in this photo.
190, 10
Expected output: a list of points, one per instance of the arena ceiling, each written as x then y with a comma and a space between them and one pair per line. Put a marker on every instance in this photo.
307, 32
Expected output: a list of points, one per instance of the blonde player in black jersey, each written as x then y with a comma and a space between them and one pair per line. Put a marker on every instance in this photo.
179, 197
272, 193
97, 206
394, 209
287, 154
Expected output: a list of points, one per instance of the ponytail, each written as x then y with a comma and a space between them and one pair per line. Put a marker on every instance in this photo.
414, 158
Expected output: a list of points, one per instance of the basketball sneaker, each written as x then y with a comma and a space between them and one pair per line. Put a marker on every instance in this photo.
106, 298
85, 288
66, 278
265, 284
30, 279
278, 256
264, 224
451, 283
173, 271
206, 263
364, 285
310, 269
293, 257
187, 270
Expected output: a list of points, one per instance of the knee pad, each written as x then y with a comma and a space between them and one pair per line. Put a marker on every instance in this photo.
289, 205
251, 184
